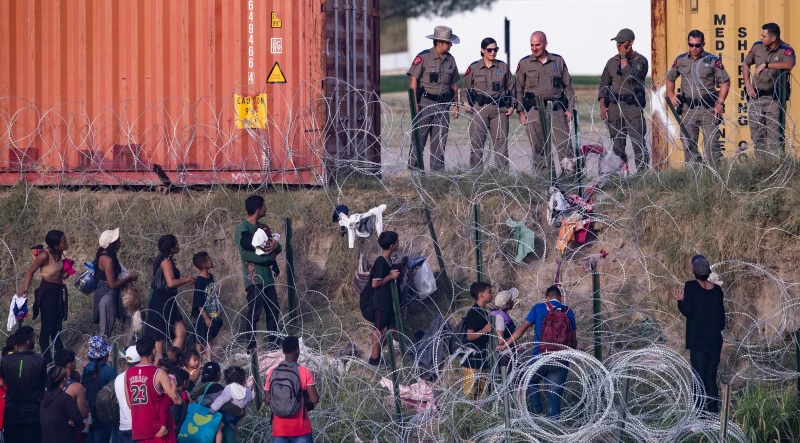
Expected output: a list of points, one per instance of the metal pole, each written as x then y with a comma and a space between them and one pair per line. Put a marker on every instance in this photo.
291, 291
348, 92
598, 348
659, 67
398, 317
354, 84
335, 110
725, 412
436, 247
684, 131
545, 123
782, 95
412, 100
508, 41
476, 225
365, 114
623, 406
393, 367
115, 357
506, 400
258, 388
578, 153
797, 356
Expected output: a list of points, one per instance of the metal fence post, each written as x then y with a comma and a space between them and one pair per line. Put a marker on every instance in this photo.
412, 101
115, 357
783, 81
797, 356
291, 291
258, 388
598, 347
506, 399
436, 248
578, 153
476, 225
725, 412
398, 316
393, 367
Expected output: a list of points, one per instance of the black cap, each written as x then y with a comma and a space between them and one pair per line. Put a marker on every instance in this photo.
700, 266
211, 371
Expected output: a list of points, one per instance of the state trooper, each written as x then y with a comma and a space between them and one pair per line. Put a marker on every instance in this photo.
773, 58
699, 104
543, 74
488, 86
622, 99
433, 76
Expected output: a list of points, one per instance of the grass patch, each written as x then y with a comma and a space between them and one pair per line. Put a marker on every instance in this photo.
394, 83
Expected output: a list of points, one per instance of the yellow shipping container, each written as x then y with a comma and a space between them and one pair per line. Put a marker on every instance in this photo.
730, 27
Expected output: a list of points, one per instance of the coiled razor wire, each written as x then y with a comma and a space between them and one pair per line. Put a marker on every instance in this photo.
644, 390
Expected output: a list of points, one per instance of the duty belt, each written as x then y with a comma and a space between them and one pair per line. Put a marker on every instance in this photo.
706, 101
440, 98
623, 98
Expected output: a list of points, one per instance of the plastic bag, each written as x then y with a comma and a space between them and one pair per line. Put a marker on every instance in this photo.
425, 281
85, 282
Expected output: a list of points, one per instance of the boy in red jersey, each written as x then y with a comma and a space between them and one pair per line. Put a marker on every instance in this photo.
149, 394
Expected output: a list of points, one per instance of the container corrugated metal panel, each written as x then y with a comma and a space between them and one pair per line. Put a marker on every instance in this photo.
731, 27
99, 90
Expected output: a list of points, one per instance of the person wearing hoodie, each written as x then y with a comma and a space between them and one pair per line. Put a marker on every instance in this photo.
234, 393
59, 413
210, 379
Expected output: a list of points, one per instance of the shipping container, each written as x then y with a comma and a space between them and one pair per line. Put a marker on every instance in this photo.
213, 91
730, 27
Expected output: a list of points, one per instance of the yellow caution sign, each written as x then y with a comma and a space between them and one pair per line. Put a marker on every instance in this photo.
250, 113
276, 22
276, 74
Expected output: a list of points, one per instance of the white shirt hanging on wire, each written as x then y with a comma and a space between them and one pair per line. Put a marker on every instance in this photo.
362, 225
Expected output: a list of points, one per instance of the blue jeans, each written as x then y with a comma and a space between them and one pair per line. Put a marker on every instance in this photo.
554, 378
121, 436
99, 433
308, 438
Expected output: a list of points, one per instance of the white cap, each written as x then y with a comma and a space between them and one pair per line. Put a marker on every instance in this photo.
503, 298
131, 356
108, 237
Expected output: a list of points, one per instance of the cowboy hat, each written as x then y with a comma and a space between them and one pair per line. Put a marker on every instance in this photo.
445, 34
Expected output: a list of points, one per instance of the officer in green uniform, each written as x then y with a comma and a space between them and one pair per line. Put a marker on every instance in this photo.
773, 58
544, 74
699, 104
433, 76
622, 99
488, 86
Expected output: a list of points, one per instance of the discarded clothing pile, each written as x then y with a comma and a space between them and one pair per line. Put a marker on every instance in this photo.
573, 214
361, 225
524, 238
600, 165
313, 360
417, 396
18, 311
432, 348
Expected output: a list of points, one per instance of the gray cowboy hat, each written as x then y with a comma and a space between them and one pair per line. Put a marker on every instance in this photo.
444, 33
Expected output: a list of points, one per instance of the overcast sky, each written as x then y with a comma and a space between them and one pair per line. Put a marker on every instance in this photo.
578, 30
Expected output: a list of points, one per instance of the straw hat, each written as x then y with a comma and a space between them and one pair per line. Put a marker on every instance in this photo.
445, 34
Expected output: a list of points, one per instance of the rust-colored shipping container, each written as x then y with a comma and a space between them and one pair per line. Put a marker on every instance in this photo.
99, 91
731, 27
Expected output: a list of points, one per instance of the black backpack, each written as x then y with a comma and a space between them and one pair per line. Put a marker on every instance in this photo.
91, 382
285, 395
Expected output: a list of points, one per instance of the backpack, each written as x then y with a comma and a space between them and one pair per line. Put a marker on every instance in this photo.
107, 405
91, 382
285, 395
557, 333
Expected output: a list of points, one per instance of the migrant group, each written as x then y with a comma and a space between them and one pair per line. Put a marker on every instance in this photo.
165, 393
176, 393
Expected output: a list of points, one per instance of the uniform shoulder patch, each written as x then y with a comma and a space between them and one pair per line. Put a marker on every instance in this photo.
469, 69
789, 52
417, 60
719, 64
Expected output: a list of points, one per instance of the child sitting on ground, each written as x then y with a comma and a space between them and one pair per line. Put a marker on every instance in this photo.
191, 364
206, 307
235, 392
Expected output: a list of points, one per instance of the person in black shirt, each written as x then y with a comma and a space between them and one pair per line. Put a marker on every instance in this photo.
478, 329
25, 376
382, 275
702, 304
205, 305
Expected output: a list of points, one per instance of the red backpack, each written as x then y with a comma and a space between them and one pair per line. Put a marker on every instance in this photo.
557, 333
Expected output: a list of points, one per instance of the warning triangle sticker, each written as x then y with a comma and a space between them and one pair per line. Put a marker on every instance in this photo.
276, 74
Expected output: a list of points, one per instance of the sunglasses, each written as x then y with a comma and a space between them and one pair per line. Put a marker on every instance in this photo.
492, 49
696, 45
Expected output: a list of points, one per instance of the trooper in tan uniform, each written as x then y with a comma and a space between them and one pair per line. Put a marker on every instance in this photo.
543, 74
772, 57
433, 76
487, 95
622, 99
699, 103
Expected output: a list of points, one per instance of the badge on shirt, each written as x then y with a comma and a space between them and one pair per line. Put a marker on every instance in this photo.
450, 66
499, 71
555, 67
776, 58
719, 65
417, 60
789, 53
